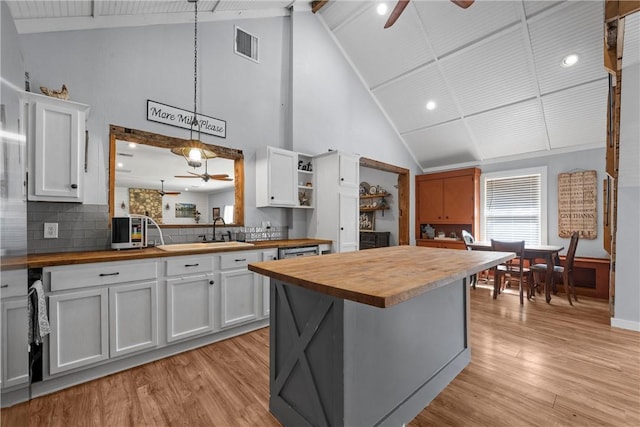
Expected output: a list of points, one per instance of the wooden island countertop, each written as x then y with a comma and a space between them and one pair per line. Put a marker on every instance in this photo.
380, 277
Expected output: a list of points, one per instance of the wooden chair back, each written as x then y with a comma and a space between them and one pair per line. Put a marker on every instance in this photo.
513, 266
571, 252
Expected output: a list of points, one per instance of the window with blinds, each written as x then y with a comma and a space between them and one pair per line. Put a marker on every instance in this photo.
513, 208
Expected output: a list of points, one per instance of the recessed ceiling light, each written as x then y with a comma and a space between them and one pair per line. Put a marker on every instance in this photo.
569, 60
186, 189
120, 164
132, 145
431, 105
381, 9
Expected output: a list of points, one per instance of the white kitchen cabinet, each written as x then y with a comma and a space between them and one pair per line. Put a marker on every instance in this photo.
349, 229
79, 323
270, 255
100, 310
335, 216
15, 356
190, 297
276, 180
238, 288
55, 131
133, 317
190, 308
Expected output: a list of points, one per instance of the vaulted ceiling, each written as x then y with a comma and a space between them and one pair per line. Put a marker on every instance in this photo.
493, 70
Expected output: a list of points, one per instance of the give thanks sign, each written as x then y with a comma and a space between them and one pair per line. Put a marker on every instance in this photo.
577, 204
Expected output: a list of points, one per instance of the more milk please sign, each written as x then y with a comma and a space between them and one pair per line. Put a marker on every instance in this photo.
163, 113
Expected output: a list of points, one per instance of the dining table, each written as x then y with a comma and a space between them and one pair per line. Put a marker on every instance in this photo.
531, 252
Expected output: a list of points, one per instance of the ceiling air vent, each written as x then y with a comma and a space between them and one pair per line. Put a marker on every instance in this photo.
246, 44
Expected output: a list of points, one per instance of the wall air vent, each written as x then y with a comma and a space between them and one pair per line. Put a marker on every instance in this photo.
246, 44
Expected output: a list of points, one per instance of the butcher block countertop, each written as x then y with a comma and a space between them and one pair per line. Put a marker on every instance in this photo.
380, 277
70, 258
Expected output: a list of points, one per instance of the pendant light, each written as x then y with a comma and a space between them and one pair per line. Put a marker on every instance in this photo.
193, 152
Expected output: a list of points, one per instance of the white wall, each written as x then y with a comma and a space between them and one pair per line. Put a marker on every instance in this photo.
306, 97
331, 107
627, 302
115, 71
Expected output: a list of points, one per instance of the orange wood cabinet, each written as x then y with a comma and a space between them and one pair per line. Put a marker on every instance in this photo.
448, 201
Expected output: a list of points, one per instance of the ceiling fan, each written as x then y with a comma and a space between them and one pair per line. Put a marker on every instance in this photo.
402, 4
167, 193
205, 176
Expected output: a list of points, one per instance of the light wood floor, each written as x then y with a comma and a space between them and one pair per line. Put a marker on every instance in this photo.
539, 364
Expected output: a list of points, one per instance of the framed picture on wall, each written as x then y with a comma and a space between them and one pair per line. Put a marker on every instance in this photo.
216, 212
367, 221
185, 210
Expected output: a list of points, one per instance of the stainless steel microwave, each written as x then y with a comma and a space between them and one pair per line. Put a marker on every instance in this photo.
128, 232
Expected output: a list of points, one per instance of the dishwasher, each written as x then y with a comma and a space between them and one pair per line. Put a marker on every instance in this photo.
284, 253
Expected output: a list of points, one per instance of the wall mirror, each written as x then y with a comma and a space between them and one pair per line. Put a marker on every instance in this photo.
152, 174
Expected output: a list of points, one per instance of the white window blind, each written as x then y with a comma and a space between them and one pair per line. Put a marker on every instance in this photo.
513, 208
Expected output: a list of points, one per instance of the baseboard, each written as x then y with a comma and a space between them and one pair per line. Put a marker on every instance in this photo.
625, 324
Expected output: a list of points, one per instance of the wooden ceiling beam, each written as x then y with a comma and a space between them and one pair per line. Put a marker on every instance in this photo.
616, 9
614, 14
317, 5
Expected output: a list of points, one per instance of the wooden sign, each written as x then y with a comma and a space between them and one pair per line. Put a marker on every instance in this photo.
162, 113
577, 204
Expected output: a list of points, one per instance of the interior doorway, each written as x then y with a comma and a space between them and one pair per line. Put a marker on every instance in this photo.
403, 186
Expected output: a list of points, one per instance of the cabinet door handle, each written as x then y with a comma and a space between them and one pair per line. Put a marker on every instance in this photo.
341, 228
191, 265
4, 286
272, 197
109, 274
341, 179
211, 282
240, 260
74, 186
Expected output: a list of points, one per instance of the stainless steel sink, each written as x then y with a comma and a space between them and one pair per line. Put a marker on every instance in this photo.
178, 247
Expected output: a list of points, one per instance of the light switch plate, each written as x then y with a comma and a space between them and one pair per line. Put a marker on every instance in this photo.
50, 230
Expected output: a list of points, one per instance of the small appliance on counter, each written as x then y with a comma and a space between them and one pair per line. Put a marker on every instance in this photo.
128, 232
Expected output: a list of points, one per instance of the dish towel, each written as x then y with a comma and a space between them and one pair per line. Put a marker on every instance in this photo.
37, 313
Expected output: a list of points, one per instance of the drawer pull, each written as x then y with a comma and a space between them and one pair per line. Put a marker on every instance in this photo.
240, 260
191, 265
4, 286
109, 274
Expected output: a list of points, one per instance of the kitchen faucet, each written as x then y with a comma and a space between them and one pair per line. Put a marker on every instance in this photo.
214, 225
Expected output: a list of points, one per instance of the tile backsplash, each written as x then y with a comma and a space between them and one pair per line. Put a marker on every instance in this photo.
83, 227
80, 227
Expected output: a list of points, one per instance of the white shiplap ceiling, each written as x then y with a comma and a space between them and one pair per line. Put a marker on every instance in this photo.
493, 69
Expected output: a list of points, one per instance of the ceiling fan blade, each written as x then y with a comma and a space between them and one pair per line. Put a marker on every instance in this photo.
219, 175
463, 3
223, 179
396, 12
186, 176
171, 193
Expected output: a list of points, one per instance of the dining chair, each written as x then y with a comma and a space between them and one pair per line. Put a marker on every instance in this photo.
468, 239
513, 267
566, 271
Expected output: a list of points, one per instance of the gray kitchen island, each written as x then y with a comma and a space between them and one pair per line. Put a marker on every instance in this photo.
368, 338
